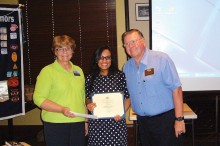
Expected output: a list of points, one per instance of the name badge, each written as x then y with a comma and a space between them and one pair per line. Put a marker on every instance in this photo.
149, 71
76, 73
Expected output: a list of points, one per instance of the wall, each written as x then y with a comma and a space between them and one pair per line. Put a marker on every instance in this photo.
8, 1
120, 20
33, 117
120, 23
141, 25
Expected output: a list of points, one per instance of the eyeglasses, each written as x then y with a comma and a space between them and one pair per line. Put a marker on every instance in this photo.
132, 42
105, 57
62, 49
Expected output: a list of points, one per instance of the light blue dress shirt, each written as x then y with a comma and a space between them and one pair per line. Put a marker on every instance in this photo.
151, 93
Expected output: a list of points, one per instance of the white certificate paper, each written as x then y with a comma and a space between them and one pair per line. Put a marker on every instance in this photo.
84, 115
4, 91
108, 105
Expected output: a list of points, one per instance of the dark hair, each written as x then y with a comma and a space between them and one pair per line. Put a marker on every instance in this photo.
130, 32
96, 56
95, 70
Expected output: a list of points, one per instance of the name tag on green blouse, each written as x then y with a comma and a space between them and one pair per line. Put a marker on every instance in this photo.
76, 73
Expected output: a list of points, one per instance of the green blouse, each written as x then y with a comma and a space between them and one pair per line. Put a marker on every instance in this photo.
62, 87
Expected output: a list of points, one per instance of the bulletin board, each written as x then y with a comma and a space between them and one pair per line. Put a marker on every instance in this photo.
11, 63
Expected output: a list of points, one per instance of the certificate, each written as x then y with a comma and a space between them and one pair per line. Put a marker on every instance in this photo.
84, 115
108, 104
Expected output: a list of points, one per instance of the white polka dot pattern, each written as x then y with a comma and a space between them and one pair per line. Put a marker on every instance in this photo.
107, 132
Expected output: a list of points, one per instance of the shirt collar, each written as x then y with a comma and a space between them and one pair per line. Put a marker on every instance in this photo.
145, 57
59, 67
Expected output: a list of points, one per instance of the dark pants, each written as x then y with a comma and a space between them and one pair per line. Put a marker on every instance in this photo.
64, 134
158, 130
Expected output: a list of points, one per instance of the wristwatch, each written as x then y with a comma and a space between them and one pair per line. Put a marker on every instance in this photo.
179, 118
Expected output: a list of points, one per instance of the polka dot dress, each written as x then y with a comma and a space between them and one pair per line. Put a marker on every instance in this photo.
107, 132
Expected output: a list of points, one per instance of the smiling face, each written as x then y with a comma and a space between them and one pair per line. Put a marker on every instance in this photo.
104, 62
64, 54
134, 45
63, 47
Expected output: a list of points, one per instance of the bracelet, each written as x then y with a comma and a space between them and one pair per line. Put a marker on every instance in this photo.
86, 122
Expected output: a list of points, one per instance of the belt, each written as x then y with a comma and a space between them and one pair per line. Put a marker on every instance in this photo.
159, 114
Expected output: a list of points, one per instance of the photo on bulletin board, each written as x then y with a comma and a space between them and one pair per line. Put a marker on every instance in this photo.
142, 11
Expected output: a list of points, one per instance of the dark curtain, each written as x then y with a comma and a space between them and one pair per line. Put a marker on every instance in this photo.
91, 23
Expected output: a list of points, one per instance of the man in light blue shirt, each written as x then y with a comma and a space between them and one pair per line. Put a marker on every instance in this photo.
155, 92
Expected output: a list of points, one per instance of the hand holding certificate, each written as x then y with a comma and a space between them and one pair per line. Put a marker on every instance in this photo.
108, 104
84, 115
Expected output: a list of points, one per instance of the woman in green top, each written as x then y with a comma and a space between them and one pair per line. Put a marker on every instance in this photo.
59, 90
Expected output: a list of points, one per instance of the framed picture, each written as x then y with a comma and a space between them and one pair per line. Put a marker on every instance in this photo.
142, 11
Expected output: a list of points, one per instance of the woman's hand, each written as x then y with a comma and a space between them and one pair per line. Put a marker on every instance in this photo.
66, 112
91, 106
117, 118
86, 128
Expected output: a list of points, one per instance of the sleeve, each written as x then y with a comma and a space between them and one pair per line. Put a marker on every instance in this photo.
42, 87
170, 75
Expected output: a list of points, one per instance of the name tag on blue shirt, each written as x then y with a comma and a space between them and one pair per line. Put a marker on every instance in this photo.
149, 71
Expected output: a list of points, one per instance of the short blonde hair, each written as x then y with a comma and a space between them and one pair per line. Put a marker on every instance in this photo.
63, 41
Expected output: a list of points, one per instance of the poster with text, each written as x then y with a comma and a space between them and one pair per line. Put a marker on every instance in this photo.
11, 64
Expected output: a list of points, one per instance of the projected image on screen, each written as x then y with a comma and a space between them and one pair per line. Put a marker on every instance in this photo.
189, 32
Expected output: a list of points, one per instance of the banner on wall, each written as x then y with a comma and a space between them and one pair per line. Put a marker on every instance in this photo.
11, 63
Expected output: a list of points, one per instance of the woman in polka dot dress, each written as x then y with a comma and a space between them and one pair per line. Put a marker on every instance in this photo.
105, 77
